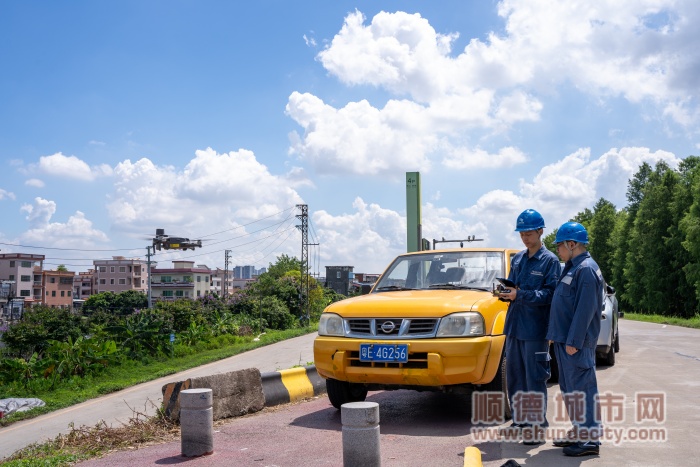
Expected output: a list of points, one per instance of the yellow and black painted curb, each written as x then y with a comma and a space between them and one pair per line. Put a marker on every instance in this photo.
171, 397
277, 387
295, 384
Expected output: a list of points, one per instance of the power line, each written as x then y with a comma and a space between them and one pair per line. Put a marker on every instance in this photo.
132, 249
62, 249
245, 225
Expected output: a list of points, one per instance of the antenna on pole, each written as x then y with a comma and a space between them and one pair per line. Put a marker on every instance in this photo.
470, 238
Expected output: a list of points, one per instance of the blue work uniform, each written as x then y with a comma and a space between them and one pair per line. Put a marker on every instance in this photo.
527, 357
575, 321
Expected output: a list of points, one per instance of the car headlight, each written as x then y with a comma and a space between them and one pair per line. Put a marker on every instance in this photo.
330, 324
461, 324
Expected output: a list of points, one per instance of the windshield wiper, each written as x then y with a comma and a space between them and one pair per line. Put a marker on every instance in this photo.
394, 287
458, 286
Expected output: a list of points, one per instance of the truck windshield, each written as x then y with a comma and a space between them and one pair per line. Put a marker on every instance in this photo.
431, 270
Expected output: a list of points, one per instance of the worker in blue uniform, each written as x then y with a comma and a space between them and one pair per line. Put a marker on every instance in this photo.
574, 325
535, 272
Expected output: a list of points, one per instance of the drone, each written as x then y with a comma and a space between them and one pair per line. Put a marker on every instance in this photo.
166, 242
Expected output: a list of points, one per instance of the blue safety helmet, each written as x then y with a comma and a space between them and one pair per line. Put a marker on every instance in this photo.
529, 219
572, 231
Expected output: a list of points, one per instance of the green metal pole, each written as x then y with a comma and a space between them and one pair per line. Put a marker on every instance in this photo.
413, 212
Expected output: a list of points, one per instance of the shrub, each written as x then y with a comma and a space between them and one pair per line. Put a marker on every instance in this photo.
145, 333
38, 326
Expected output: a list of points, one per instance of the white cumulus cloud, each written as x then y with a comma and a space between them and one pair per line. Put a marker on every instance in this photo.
71, 167
77, 232
212, 193
444, 98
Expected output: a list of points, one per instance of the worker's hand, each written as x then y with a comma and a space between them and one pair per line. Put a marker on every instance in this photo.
510, 296
571, 350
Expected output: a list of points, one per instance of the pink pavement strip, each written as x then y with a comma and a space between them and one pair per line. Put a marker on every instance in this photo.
309, 433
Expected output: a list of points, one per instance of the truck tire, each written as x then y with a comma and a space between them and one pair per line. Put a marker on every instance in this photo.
341, 392
499, 384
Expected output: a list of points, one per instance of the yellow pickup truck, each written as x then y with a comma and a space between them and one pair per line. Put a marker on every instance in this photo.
431, 322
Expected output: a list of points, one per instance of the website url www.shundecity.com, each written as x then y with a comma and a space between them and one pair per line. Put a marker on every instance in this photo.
613, 435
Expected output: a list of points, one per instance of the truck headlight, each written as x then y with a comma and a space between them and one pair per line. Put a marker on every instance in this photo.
461, 324
330, 324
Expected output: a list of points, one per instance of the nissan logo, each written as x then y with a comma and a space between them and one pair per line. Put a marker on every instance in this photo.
388, 327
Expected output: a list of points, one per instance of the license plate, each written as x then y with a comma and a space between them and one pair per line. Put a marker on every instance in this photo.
397, 353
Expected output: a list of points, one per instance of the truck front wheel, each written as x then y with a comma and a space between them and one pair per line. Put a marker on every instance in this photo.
499, 384
340, 392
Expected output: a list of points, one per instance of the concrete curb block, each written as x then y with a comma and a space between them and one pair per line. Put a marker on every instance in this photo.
247, 391
234, 394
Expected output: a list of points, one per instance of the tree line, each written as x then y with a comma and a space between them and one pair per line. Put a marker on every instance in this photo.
649, 250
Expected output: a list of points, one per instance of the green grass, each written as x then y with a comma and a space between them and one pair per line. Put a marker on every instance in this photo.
693, 322
46, 456
132, 373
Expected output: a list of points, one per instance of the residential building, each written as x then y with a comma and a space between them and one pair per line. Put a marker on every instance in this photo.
217, 281
58, 288
183, 280
84, 284
120, 274
23, 272
365, 278
339, 278
240, 284
363, 282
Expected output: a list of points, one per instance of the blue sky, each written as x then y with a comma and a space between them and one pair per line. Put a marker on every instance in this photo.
213, 119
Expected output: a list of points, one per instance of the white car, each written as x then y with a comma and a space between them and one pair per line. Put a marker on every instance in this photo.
609, 338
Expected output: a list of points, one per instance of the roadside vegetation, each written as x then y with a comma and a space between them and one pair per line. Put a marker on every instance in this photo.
693, 322
64, 358
83, 443
650, 249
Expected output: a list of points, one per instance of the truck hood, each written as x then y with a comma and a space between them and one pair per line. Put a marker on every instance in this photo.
411, 303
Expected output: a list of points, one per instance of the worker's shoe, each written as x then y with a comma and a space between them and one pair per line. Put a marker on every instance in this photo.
569, 440
533, 435
589, 448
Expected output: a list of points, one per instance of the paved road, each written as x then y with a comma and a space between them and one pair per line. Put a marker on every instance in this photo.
653, 359
429, 429
116, 408
421, 429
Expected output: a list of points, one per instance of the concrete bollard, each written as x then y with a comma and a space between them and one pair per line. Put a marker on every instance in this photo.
360, 434
196, 422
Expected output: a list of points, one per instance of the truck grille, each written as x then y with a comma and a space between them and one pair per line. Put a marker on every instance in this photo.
392, 328
415, 360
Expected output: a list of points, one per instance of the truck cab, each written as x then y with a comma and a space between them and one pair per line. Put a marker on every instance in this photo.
431, 322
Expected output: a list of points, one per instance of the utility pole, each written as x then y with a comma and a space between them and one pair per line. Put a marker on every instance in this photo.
305, 279
224, 289
148, 262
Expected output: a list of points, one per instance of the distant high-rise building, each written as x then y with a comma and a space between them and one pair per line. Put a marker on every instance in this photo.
247, 272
